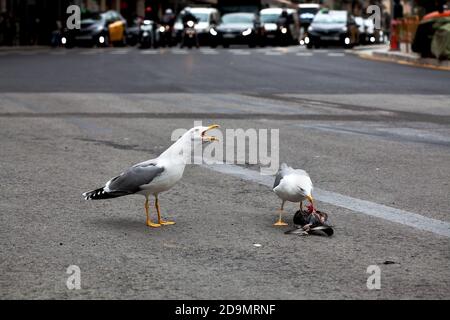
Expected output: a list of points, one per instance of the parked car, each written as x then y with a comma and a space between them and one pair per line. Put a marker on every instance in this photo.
277, 31
239, 28
336, 27
208, 18
99, 29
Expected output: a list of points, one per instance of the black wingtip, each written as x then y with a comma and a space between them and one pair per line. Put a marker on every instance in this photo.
96, 194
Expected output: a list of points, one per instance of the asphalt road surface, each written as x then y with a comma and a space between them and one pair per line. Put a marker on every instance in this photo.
374, 136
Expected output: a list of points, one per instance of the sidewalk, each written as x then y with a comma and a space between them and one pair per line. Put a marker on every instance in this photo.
381, 52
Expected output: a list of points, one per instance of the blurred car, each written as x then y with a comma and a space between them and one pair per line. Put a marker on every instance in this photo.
373, 35
367, 32
336, 27
362, 29
133, 32
239, 28
275, 33
306, 13
99, 29
208, 18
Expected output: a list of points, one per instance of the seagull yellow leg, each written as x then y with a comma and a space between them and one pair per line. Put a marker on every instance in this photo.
301, 206
149, 223
160, 221
280, 222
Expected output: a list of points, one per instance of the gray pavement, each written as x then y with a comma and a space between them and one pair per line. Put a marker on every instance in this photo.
365, 130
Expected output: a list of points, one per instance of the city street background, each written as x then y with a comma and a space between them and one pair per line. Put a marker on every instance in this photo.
72, 119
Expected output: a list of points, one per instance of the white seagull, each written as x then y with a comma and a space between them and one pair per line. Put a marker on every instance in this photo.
292, 185
156, 175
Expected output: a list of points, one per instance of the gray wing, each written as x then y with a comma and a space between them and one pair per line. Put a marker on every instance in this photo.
280, 174
278, 178
133, 178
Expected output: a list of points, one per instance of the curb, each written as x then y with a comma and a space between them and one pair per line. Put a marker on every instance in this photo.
404, 59
445, 65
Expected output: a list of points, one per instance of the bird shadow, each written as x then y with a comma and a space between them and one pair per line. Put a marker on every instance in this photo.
120, 224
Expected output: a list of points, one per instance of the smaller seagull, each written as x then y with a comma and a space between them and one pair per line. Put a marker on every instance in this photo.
293, 185
154, 176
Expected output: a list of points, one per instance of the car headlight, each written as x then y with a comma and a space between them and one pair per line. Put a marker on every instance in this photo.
283, 30
190, 23
344, 29
247, 32
310, 28
213, 32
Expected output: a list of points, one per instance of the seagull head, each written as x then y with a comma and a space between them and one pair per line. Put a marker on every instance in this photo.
306, 191
199, 133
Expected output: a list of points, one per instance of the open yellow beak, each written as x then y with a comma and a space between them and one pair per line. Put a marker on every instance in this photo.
210, 138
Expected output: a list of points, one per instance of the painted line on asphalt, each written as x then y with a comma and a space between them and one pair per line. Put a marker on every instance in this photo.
209, 51
124, 51
336, 54
369, 208
89, 52
274, 53
304, 54
178, 51
239, 52
149, 51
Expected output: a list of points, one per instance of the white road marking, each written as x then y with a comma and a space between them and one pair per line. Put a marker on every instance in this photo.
149, 51
209, 51
91, 51
179, 51
336, 54
274, 53
121, 51
239, 52
410, 219
304, 54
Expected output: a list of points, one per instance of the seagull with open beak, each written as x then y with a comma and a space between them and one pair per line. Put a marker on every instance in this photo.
154, 176
293, 185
